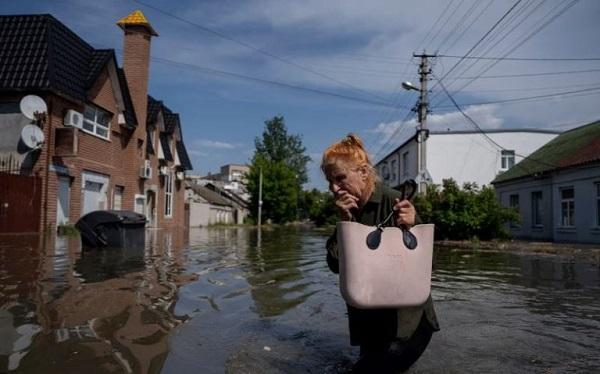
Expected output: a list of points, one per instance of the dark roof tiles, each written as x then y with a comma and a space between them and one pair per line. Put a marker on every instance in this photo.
183, 156
166, 148
572, 148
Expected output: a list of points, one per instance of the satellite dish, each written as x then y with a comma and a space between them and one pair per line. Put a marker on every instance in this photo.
32, 104
32, 136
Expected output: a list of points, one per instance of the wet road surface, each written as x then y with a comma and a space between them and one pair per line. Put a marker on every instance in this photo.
220, 300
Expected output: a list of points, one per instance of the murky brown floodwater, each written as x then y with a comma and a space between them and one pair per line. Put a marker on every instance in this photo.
214, 300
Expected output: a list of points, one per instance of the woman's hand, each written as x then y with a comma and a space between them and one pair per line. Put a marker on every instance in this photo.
345, 203
404, 213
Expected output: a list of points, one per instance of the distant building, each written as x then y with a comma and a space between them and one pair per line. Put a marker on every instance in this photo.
556, 190
232, 177
465, 156
209, 205
108, 145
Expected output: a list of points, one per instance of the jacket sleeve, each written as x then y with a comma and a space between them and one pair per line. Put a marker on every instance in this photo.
332, 253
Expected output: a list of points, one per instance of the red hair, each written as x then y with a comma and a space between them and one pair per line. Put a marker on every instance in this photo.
349, 151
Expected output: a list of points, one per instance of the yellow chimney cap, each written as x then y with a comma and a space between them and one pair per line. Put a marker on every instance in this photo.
136, 18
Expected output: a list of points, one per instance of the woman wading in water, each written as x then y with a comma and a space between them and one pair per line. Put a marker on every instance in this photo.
390, 340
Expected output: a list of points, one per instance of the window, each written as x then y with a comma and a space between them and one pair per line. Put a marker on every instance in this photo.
394, 168
96, 122
385, 173
567, 207
513, 202
405, 165
169, 194
536, 208
597, 204
118, 197
507, 160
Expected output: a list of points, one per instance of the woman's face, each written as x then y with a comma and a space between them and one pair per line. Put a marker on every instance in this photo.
347, 178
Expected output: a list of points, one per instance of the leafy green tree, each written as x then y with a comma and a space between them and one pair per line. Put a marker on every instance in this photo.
318, 207
282, 159
465, 213
277, 146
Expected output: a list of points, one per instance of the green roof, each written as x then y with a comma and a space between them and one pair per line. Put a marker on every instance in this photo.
574, 147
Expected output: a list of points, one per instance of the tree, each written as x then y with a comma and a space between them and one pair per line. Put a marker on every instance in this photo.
318, 207
277, 146
283, 163
465, 213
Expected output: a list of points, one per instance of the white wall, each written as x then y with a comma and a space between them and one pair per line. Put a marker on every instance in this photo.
474, 158
466, 157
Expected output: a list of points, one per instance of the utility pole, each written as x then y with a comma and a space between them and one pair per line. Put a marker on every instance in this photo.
422, 108
259, 198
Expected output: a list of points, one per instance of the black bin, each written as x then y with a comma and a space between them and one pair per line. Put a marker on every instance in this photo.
112, 228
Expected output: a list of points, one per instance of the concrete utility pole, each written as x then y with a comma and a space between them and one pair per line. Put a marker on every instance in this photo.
422, 108
259, 198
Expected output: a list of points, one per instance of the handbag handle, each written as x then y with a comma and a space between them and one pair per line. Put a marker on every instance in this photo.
407, 191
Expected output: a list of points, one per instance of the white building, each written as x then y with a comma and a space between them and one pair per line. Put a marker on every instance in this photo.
465, 156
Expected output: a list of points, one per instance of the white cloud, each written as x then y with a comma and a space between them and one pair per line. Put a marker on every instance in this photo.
194, 152
215, 144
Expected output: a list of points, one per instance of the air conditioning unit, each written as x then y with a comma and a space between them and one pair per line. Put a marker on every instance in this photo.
146, 170
73, 119
180, 175
163, 170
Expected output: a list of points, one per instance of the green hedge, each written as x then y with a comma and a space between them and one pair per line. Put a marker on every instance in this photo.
463, 213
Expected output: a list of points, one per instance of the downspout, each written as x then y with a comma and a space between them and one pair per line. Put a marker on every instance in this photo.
48, 123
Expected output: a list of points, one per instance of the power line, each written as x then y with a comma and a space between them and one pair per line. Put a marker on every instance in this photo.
207, 70
482, 38
529, 74
528, 98
524, 58
526, 38
486, 135
256, 49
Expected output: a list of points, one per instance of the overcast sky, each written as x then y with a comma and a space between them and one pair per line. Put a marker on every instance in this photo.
334, 67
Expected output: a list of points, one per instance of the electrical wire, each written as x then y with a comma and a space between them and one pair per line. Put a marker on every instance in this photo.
529, 74
528, 98
256, 49
529, 36
208, 70
492, 141
525, 58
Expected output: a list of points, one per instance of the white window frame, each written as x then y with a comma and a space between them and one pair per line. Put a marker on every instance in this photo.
96, 126
536, 209
569, 219
506, 156
169, 195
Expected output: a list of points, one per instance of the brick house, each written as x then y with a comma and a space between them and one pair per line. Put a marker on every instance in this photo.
108, 144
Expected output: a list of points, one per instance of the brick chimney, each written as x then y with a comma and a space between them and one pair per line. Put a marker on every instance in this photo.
136, 61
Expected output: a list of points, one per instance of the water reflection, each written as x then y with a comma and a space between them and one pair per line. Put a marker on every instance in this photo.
217, 300
108, 310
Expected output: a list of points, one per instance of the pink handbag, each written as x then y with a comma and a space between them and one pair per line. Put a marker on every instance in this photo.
378, 268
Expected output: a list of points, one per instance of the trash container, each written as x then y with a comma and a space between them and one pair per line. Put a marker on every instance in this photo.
112, 228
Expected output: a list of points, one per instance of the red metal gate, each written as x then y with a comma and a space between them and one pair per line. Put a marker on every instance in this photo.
20, 201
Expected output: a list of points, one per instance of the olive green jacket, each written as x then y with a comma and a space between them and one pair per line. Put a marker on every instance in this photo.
369, 325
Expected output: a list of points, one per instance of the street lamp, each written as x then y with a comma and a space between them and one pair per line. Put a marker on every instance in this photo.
409, 86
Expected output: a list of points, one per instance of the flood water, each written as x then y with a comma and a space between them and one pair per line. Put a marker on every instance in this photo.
219, 300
